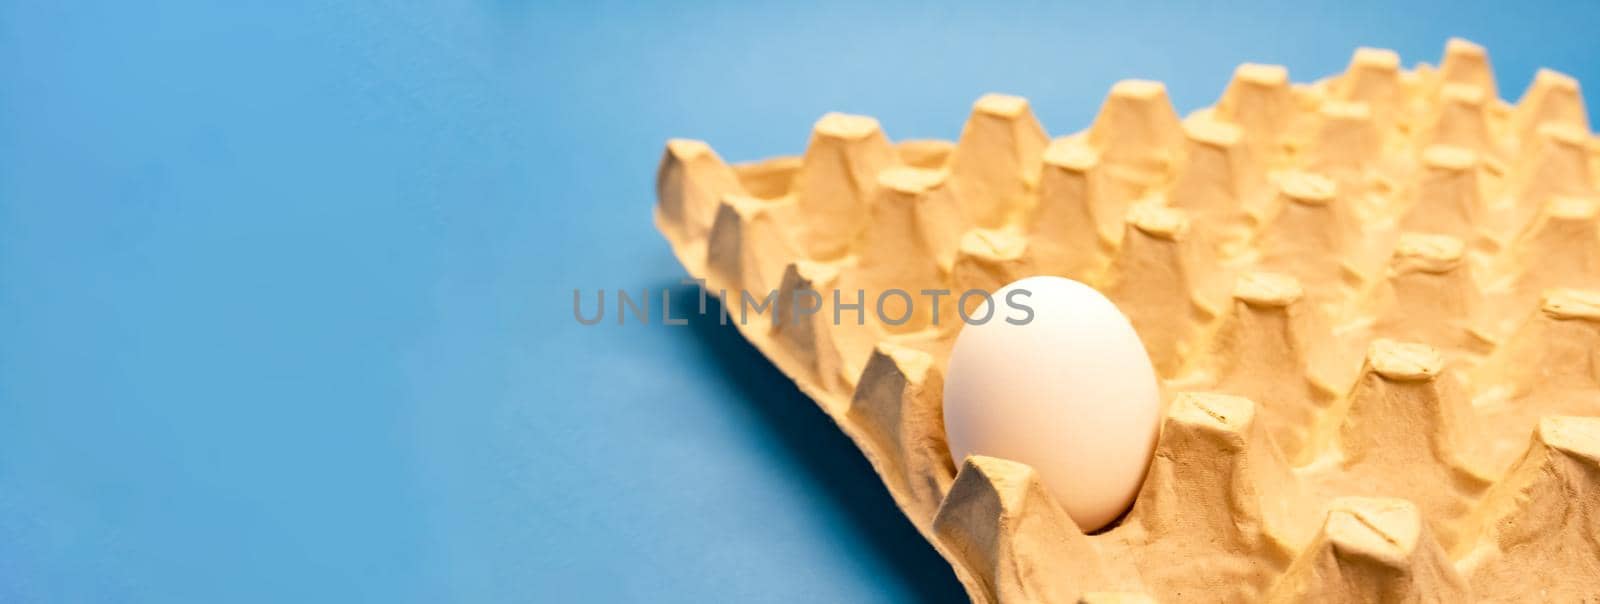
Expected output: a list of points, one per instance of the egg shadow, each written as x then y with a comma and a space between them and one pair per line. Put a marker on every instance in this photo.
824, 457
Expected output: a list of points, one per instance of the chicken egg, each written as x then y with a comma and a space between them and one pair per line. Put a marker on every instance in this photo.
1068, 391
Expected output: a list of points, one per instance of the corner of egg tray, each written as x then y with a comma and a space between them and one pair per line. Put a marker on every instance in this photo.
1372, 300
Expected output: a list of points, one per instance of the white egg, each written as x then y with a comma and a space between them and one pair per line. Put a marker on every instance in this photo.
1071, 393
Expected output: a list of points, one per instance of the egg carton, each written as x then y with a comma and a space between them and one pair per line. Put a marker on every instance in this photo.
1373, 301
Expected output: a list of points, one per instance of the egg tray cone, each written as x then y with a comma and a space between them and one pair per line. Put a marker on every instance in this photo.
1374, 302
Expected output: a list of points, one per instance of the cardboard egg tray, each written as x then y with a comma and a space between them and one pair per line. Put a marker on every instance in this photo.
1373, 300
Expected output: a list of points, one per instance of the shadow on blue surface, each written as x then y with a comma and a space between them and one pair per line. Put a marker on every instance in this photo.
828, 458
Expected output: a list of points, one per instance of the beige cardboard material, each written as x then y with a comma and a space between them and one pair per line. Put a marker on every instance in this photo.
1374, 301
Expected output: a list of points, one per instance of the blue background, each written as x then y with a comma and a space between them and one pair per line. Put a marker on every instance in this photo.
285, 289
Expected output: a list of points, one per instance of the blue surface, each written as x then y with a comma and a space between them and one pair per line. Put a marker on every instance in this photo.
285, 289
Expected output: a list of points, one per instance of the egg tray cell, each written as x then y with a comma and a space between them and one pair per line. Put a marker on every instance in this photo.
1373, 301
